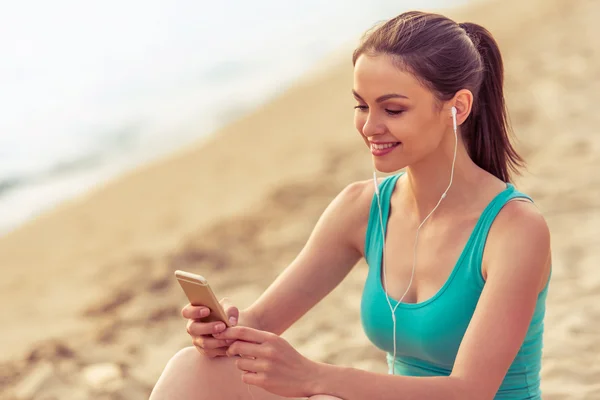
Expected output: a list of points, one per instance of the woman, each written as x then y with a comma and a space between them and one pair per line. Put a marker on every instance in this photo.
471, 284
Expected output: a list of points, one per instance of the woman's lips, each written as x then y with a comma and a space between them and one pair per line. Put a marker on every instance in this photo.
381, 149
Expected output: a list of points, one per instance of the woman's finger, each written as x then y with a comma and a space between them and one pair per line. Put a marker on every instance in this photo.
209, 343
246, 349
251, 365
211, 352
195, 328
216, 353
254, 378
233, 313
195, 312
246, 334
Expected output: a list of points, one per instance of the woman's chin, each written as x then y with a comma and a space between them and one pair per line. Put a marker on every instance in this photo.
387, 167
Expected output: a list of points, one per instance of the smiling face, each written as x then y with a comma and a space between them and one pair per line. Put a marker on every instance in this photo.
398, 117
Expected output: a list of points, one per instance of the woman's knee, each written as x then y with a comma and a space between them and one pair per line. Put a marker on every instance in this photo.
187, 360
190, 374
181, 371
186, 356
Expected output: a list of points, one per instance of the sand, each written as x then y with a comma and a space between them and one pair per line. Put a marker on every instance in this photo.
90, 309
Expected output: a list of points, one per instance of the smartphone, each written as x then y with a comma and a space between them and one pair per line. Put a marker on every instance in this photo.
199, 293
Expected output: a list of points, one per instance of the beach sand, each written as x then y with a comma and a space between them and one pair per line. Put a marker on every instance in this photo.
88, 303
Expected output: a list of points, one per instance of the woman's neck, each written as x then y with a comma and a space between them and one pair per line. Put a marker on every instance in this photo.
429, 178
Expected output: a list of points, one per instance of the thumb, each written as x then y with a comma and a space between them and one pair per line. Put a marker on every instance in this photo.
233, 313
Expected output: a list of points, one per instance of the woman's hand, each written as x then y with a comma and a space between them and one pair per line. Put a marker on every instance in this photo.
202, 332
270, 362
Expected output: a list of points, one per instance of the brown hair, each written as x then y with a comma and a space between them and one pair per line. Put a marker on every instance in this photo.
447, 57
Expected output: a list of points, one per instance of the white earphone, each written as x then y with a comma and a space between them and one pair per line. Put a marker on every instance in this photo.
393, 309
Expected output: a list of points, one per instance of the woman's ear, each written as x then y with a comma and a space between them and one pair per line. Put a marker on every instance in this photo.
463, 101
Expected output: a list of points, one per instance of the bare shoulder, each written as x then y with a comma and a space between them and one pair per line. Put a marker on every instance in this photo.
353, 205
519, 219
519, 239
358, 191
355, 200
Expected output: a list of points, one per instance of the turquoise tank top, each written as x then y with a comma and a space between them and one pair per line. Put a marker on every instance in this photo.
429, 333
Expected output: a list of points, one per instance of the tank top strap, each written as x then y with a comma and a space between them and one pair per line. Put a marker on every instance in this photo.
482, 228
373, 233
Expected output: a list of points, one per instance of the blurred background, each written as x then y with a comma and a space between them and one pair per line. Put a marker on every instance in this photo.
91, 90
137, 138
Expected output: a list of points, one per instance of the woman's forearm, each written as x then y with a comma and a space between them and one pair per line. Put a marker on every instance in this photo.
354, 384
296, 290
250, 319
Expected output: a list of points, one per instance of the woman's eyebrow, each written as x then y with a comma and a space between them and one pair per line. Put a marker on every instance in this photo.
382, 98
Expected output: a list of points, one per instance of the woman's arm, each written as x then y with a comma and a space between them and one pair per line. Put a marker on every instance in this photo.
518, 251
333, 248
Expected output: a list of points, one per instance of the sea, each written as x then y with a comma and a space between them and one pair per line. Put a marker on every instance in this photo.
92, 89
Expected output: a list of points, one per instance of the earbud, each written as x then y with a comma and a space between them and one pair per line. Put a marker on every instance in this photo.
453, 110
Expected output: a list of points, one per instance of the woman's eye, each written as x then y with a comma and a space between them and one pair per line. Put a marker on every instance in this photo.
390, 112
394, 112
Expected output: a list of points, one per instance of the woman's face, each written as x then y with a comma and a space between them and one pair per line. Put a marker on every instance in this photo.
399, 118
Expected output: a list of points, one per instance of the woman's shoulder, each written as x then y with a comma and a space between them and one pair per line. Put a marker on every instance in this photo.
520, 213
357, 197
363, 190
352, 207
519, 216
519, 231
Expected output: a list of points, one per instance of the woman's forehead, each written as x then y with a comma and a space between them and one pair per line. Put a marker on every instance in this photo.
378, 75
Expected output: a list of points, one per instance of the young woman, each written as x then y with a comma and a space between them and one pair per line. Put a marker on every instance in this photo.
467, 291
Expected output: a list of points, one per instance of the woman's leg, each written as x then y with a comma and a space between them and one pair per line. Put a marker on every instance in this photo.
190, 375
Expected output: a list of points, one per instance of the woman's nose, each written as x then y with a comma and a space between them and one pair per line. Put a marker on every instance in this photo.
372, 127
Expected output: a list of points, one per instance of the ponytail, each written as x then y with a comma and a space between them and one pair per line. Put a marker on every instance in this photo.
486, 132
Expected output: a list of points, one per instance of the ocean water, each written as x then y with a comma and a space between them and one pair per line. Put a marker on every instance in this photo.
89, 90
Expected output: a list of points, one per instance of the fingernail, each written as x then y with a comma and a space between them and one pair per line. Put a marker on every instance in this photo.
233, 320
230, 341
219, 327
204, 313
